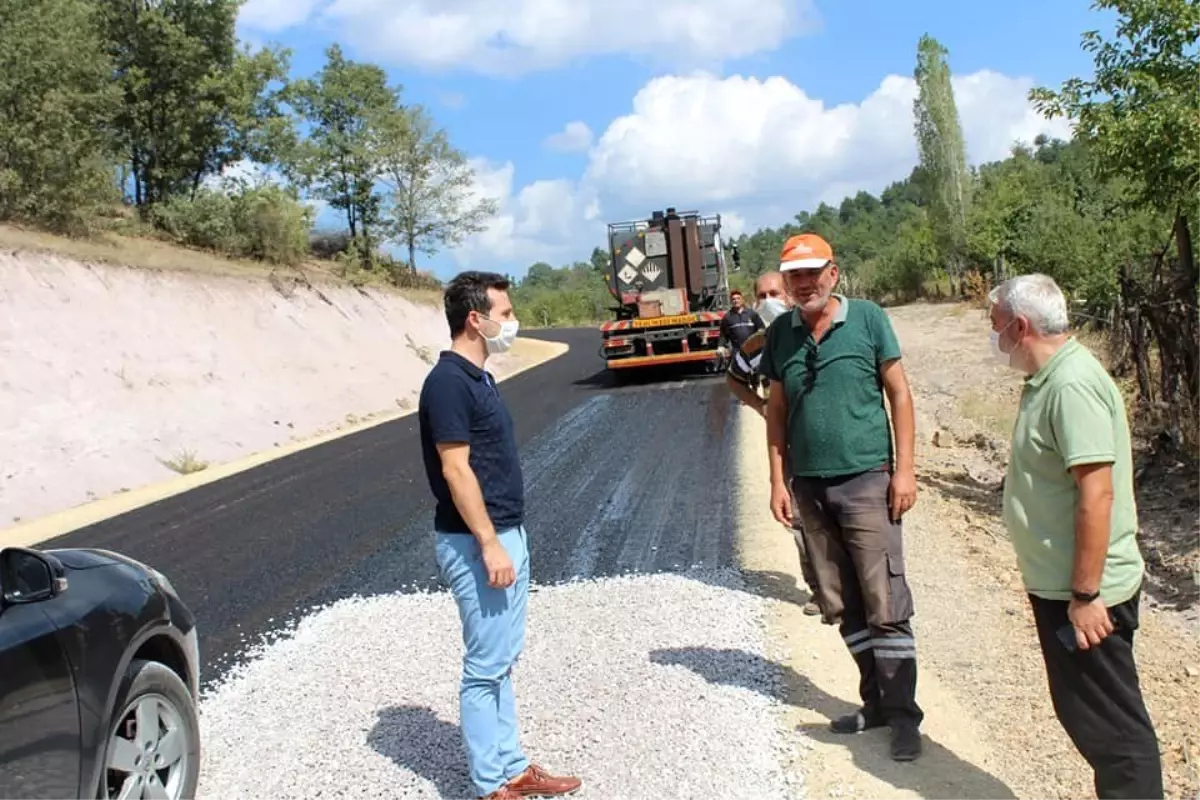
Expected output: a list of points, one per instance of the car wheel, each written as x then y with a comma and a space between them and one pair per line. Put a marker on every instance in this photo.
153, 747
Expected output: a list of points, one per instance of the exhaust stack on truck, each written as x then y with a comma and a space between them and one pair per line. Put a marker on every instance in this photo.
670, 278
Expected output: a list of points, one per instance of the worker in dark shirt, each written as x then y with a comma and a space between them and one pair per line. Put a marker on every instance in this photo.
747, 383
740, 322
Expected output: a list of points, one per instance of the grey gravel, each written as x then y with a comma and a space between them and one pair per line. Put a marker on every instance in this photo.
644, 686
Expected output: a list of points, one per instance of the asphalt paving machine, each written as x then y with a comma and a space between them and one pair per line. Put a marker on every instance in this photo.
670, 277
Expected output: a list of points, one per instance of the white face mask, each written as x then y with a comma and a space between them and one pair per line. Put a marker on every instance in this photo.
501, 342
770, 309
1001, 356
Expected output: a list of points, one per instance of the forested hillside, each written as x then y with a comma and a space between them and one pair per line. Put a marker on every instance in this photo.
147, 119
1042, 209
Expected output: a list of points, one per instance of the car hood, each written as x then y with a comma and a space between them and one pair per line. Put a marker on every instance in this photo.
86, 558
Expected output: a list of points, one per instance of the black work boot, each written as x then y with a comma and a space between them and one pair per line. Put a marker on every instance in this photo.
906, 740
862, 720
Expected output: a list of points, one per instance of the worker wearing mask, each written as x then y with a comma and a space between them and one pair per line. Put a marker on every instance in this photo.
746, 382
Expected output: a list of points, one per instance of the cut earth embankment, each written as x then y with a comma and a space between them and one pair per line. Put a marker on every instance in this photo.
127, 385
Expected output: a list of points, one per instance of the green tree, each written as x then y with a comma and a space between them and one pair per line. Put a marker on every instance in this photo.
943, 154
1139, 112
344, 106
542, 275
192, 103
56, 159
1138, 115
601, 260
571, 295
430, 203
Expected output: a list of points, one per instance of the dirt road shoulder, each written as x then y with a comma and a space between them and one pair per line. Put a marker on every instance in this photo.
990, 730
822, 683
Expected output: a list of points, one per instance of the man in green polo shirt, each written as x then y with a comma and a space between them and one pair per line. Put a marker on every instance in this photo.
1070, 511
829, 363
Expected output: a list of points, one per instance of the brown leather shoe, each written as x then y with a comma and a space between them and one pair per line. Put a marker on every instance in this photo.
503, 793
536, 782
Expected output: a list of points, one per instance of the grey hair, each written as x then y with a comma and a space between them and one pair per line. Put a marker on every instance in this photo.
1037, 298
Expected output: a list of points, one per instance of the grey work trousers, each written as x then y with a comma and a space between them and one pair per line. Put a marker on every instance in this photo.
857, 556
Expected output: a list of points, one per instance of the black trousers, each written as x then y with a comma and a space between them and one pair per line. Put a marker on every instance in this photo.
1098, 700
856, 555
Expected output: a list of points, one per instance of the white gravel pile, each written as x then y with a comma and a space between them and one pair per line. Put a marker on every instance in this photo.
644, 686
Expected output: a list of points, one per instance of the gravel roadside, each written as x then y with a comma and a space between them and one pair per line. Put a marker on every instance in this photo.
645, 686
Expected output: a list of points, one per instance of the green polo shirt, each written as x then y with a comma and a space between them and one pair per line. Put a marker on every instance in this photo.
837, 424
1071, 413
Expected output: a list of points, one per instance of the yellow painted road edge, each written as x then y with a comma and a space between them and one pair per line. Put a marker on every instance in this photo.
27, 534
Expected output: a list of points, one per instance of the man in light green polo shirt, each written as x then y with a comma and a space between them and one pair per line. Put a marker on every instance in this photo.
1070, 510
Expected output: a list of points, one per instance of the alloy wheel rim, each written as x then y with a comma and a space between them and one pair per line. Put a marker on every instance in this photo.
147, 751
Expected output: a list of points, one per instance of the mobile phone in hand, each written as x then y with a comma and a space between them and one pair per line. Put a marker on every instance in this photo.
1066, 635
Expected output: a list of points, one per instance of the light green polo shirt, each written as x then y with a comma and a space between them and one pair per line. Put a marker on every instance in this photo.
1071, 413
837, 424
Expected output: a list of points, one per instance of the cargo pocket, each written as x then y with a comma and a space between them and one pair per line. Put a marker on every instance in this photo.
900, 601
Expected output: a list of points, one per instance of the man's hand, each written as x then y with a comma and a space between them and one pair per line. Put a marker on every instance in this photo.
1092, 622
902, 493
501, 574
781, 504
468, 499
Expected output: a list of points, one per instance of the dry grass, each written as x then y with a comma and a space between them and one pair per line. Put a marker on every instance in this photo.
990, 410
130, 251
429, 297
422, 352
146, 252
185, 463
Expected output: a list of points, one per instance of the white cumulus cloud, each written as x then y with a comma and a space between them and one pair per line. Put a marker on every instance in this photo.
275, 15
576, 136
543, 221
758, 150
752, 139
516, 36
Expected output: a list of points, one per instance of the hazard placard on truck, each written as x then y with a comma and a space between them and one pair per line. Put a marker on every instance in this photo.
670, 279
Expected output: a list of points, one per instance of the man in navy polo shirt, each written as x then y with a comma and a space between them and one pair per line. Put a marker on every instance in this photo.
474, 472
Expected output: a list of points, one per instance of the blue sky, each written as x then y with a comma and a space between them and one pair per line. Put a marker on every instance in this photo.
753, 108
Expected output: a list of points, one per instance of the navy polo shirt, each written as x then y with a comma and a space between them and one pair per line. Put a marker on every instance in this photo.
461, 403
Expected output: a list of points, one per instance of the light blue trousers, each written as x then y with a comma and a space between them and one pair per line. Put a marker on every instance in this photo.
493, 632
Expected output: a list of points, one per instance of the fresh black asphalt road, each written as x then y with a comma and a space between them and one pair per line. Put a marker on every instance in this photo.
619, 478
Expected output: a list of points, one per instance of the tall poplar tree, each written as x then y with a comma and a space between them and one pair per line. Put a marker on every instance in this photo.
943, 155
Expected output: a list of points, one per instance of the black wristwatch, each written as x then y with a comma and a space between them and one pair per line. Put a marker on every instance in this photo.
1084, 597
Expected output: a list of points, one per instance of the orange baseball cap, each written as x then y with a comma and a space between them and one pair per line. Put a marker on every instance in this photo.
805, 251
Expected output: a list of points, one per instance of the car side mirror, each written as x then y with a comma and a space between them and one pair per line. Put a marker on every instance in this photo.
28, 576
737, 257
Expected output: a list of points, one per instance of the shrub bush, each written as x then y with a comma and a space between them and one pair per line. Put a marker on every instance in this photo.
267, 222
